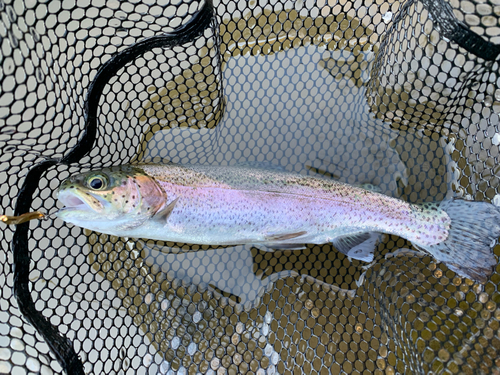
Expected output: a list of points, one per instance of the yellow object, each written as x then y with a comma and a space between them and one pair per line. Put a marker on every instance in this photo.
21, 218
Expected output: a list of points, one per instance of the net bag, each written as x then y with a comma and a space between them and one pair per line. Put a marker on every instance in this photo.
401, 96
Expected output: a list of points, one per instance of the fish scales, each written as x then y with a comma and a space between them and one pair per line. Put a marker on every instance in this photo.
222, 205
241, 202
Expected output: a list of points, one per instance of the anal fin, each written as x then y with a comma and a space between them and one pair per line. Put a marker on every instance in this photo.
358, 246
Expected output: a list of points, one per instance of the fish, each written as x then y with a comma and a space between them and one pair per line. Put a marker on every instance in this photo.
276, 209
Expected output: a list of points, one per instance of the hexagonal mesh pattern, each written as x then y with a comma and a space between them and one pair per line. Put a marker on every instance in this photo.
404, 96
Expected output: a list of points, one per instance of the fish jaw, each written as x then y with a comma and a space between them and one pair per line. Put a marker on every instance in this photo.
89, 211
80, 205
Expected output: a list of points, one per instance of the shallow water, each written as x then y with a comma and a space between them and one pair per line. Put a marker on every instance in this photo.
302, 110
297, 115
288, 110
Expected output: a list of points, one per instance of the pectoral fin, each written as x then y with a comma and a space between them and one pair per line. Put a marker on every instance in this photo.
165, 213
358, 246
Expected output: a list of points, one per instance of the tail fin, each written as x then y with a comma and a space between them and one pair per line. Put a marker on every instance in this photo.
468, 249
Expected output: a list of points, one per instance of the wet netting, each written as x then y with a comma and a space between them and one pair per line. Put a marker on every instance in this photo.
404, 96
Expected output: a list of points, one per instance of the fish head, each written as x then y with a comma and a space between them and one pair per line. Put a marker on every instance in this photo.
110, 199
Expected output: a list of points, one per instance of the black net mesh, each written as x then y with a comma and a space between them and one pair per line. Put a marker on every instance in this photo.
404, 96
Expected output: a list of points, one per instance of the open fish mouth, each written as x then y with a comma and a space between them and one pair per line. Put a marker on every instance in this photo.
75, 201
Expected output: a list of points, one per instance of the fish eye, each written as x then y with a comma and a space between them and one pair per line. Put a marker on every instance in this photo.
97, 182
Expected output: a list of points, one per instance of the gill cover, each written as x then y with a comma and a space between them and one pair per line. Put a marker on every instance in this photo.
122, 196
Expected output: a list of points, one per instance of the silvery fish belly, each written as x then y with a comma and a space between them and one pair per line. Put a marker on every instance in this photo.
220, 205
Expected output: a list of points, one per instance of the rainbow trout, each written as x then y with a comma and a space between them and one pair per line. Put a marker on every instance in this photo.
221, 205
